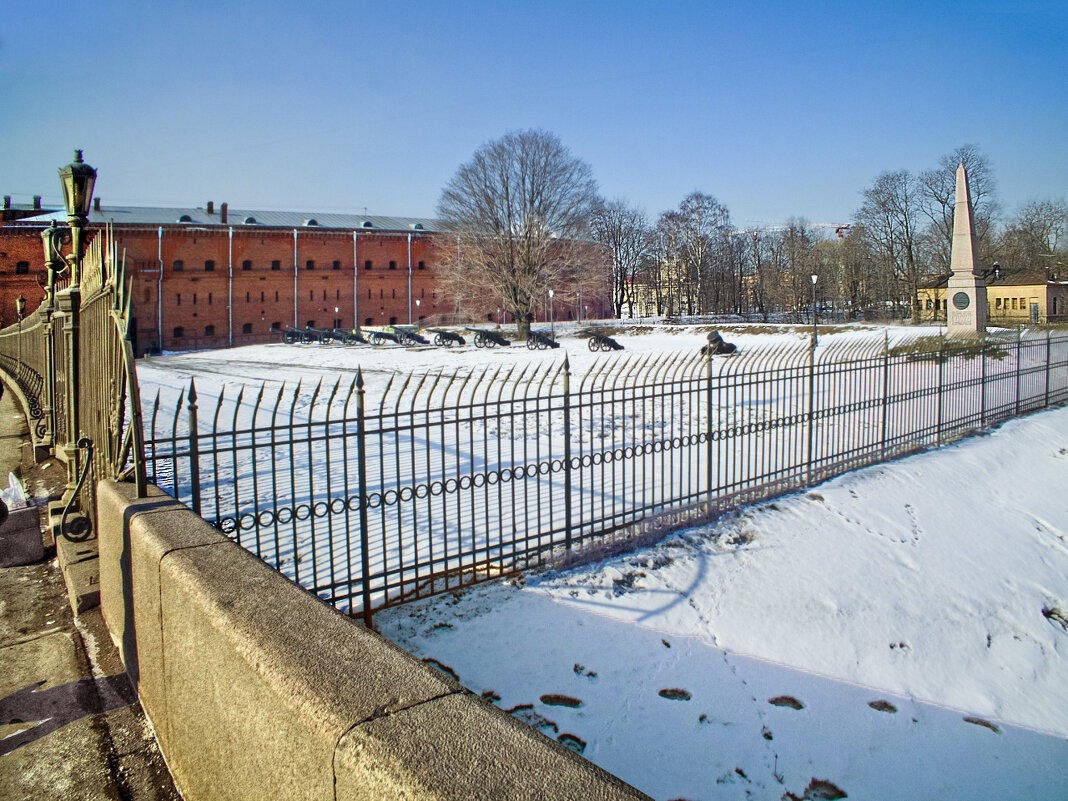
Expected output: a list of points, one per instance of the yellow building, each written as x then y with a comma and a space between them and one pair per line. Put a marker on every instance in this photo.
1018, 298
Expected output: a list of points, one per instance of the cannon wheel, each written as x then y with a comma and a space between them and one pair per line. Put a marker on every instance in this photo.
289, 337
439, 340
531, 343
480, 341
593, 344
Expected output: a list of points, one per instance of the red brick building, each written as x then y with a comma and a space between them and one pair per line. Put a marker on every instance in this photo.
218, 277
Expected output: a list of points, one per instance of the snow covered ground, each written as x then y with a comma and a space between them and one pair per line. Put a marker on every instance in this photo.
896, 633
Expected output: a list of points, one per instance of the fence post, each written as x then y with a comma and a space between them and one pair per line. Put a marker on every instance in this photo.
567, 454
982, 385
1019, 337
361, 489
811, 403
194, 449
1048, 357
941, 379
886, 389
708, 421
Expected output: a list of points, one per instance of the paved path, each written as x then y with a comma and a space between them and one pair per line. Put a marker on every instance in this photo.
70, 724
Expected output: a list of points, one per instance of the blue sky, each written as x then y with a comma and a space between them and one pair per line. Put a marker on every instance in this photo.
778, 109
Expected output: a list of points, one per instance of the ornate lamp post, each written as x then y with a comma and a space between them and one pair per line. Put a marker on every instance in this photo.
20, 309
77, 179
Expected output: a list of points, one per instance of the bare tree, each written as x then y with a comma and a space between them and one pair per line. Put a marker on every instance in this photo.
1036, 237
519, 209
626, 233
891, 223
697, 241
937, 194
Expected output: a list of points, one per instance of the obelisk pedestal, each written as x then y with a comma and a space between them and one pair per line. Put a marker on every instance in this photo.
966, 290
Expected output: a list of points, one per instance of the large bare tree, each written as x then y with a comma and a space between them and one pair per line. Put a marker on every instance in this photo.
627, 235
890, 218
520, 210
937, 193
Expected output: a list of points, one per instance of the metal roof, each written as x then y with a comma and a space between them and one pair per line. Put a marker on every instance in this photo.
146, 215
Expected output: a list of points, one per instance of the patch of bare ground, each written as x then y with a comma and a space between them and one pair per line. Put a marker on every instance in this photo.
553, 699
675, 694
817, 790
1056, 616
786, 700
986, 724
882, 706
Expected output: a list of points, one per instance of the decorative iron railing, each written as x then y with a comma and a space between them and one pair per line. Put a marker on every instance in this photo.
73, 368
372, 498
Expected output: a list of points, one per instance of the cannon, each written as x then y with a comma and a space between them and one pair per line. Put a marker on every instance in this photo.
446, 338
381, 337
348, 337
292, 335
717, 346
600, 342
408, 336
488, 339
540, 341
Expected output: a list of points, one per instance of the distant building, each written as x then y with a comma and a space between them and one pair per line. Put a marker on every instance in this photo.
217, 277
1017, 297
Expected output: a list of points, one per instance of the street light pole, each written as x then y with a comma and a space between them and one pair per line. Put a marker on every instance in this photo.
552, 321
20, 308
814, 313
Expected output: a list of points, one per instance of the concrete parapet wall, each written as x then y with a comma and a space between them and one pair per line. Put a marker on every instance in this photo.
256, 689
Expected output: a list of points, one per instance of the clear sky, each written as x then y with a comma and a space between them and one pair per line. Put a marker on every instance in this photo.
778, 109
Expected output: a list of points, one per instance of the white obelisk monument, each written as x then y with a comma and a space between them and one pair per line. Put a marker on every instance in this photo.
966, 291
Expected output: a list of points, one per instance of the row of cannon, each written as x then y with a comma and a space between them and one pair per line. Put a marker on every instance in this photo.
482, 338
409, 335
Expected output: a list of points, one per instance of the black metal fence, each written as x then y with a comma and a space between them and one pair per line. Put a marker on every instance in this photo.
370, 496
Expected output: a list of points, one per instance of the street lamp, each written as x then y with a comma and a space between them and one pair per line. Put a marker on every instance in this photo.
552, 322
20, 308
78, 179
814, 279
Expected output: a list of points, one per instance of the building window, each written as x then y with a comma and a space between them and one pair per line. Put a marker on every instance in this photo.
194, 298
1023, 304
209, 330
262, 296
928, 304
310, 264
246, 328
248, 297
246, 265
311, 294
178, 299
394, 295
367, 265
179, 332
997, 303
276, 326
276, 265
337, 265
421, 266
275, 296
209, 266
1014, 303
310, 324
22, 268
177, 266
393, 265
209, 298
368, 320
